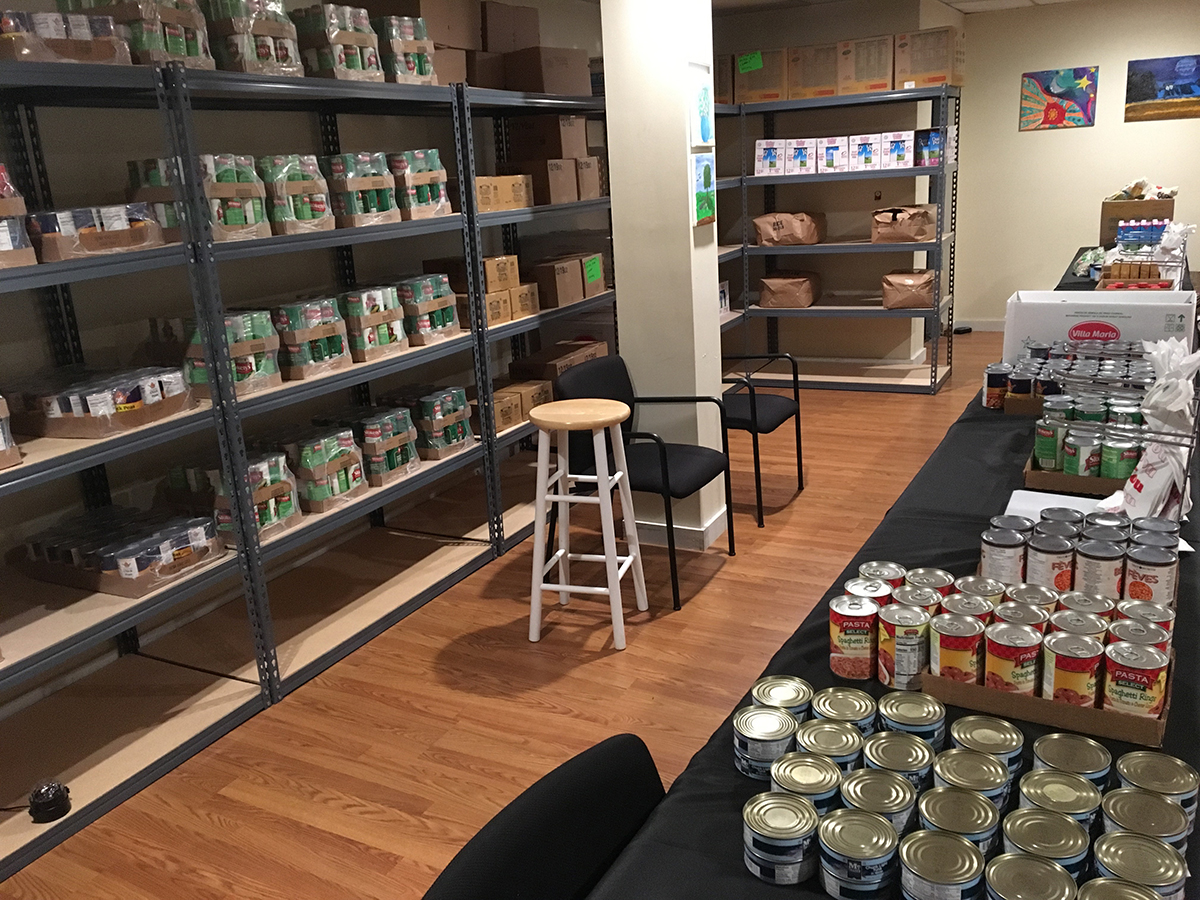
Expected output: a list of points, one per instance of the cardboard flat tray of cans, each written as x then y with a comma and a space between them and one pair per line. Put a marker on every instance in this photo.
358, 329
380, 448
75, 424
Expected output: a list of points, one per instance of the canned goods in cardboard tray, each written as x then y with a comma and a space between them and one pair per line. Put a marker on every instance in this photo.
1012, 657
1135, 679
903, 645
1136, 631
881, 570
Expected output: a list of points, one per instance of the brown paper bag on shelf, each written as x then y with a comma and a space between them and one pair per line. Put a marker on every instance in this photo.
908, 289
904, 224
790, 229
799, 290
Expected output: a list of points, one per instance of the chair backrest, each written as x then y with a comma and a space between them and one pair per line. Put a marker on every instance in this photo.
557, 839
605, 378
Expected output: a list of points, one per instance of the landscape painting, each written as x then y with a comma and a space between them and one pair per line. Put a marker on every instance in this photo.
1165, 88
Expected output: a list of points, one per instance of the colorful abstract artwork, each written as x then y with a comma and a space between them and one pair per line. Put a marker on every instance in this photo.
1166, 88
1058, 98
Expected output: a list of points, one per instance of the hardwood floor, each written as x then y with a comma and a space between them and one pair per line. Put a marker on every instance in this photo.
365, 782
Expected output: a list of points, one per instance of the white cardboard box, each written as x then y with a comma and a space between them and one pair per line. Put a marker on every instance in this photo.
833, 154
898, 149
801, 157
723, 296
1048, 316
865, 152
769, 157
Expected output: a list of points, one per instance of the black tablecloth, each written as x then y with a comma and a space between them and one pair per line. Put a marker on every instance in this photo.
1072, 282
691, 847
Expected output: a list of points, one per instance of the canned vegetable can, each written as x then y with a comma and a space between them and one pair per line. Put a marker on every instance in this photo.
973, 771
1145, 611
990, 735
1075, 754
846, 705
894, 751
1012, 657
903, 645
1020, 876
1096, 604
1140, 632
1135, 679
1022, 614
915, 713
1071, 668
1033, 594
782, 828
783, 691
1162, 774
966, 813
939, 580
1002, 556
1145, 812
926, 598
1143, 860
972, 605
858, 847
870, 588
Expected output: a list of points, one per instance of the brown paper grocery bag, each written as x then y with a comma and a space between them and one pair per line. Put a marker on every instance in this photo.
904, 224
790, 229
799, 290
908, 289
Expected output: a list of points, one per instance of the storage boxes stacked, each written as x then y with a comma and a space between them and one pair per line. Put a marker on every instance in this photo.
337, 42
297, 195
71, 36
870, 794
420, 183
387, 437
253, 351
440, 416
553, 152
157, 32
857, 153
363, 190
253, 36
406, 52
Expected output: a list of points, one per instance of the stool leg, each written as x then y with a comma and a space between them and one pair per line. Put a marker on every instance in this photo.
539, 536
564, 516
610, 539
631, 536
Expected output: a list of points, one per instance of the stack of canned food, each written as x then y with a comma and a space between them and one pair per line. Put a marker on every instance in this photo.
56, 235
374, 428
93, 395
327, 463
129, 543
430, 308
305, 356
440, 415
1083, 648
238, 47
230, 168
1117, 365
1089, 436
272, 484
431, 197
360, 165
284, 205
320, 24
871, 798
250, 371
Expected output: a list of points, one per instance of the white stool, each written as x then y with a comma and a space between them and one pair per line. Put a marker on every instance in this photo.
596, 416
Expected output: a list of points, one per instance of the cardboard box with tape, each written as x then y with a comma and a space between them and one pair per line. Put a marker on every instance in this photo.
554, 180
551, 362
548, 70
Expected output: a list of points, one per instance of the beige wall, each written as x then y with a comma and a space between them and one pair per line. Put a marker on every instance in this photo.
1028, 201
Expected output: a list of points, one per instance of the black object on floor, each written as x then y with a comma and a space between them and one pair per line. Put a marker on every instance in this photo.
49, 801
962, 329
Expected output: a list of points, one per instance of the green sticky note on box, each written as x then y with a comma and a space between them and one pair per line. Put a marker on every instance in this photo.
750, 62
592, 270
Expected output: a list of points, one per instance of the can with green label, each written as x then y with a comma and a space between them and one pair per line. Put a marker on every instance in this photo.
1048, 445
1118, 458
1081, 455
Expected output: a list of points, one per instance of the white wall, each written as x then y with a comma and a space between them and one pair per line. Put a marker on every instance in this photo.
1028, 201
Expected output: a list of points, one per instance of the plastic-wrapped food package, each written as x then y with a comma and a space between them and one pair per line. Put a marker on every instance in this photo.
61, 37
374, 322
253, 36
80, 403
297, 194
151, 182
420, 183
313, 336
156, 32
15, 248
441, 417
9, 454
337, 42
237, 197
405, 49
362, 189
92, 231
253, 352
430, 309
387, 437
123, 551
328, 467
273, 492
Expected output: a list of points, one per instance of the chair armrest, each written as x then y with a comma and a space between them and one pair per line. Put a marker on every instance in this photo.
681, 399
662, 453
768, 356
746, 383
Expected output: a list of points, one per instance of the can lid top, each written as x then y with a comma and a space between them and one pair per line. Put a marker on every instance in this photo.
1094, 549
1044, 832
806, 773
1162, 539
851, 605
844, 704
1031, 593
883, 569
959, 626
784, 691
1110, 533
1004, 537
1012, 523
1115, 889
1136, 656
1061, 514
1075, 646
904, 614
929, 577
967, 604
912, 708
1012, 635
858, 834
941, 857
777, 814
979, 586
970, 769
987, 734
959, 810
1158, 772
1140, 858
829, 737
1021, 613
1019, 876
1111, 520
1155, 556
1077, 622
1072, 753
1138, 631
1145, 611
1050, 543
764, 723
898, 751
1156, 523
879, 791
868, 587
1081, 602
1057, 529
1060, 791
1146, 812
916, 595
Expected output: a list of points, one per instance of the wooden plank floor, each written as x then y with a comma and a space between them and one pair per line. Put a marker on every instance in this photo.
367, 780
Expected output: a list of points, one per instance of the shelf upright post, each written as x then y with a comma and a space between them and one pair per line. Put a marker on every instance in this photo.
745, 232
174, 100
952, 187
769, 207
937, 185
464, 149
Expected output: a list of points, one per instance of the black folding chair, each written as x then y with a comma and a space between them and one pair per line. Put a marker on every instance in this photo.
673, 471
762, 413
557, 839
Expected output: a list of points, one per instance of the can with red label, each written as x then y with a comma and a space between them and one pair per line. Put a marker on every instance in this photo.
1151, 573
977, 607
1079, 623
1099, 568
1035, 594
1135, 679
853, 638
1096, 604
881, 570
1136, 632
1012, 658
926, 598
1050, 561
956, 647
940, 581
871, 588
1144, 611
903, 645
1023, 614
1071, 668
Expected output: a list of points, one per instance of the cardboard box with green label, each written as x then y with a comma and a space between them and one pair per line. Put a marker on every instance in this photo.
760, 75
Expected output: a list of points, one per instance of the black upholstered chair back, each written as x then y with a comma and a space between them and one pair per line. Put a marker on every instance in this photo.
558, 838
605, 378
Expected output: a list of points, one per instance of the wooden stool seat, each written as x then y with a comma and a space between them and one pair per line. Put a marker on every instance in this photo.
578, 415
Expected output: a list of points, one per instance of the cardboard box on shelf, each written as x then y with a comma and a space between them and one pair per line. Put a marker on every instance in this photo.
560, 282
524, 301
497, 304
485, 70
723, 78
1048, 316
587, 178
592, 265
549, 363
760, 75
865, 65
449, 23
547, 137
450, 65
1112, 212
501, 192
930, 58
833, 154
506, 412
865, 152
898, 149
769, 157
554, 180
548, 70
507, 28
812, 71
800, 156
500, 273
528, 393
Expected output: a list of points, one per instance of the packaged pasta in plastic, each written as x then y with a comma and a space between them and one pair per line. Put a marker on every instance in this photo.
430, 309
237, 197
387, 438
156, 32
374, 322
405, 50
253, 353
253, 36
93, 231
297, 194
313, 336
77, 402
337, 42
420, 183
66, 36
120, 550
362, 189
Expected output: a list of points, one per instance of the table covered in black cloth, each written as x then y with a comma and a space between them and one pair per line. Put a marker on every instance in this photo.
691, 846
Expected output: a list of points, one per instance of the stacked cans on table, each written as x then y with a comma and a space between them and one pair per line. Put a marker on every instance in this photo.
1048, 369
960, 821
1089, 436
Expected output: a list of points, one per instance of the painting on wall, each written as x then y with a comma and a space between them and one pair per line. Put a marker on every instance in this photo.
1166, 88
701, 127
1059, 98
704, 188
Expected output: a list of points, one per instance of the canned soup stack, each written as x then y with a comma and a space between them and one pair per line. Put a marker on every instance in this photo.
871, 799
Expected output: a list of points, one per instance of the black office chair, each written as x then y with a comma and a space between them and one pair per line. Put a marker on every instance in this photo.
747, 410
558, 838
673, 471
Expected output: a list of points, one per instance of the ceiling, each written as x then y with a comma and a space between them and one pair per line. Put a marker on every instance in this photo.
967, 6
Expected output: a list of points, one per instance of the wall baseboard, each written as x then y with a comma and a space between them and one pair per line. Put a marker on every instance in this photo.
981, 324
686, 537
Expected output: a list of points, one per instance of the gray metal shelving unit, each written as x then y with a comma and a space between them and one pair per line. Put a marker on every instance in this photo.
175, 92
943, 191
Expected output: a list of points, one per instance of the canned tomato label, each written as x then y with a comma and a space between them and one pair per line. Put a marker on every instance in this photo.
1151, 574
1071, 668
1099, 568
939, 580
1144, 611
1096, 604
903, 645
1050, 562
955, 647
853, 638
1002, 556
1138, 632
880, 570
1135, 679
1012, 657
